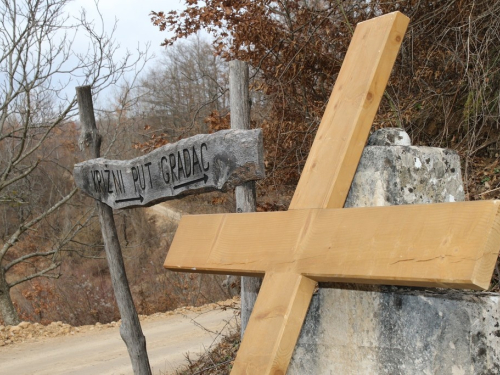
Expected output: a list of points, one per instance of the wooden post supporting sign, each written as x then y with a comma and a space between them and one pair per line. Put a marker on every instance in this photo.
130, 329
437, 245
205, 162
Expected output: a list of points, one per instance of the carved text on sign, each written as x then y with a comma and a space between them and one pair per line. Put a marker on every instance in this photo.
197, 164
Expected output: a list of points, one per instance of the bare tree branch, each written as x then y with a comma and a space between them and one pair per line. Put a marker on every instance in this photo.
42, 273
28, 256
39, 61
25, 226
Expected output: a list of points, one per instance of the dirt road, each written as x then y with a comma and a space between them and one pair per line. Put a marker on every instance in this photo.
166, 212
168, 338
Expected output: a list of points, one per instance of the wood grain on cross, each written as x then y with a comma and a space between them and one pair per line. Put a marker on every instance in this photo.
438, 245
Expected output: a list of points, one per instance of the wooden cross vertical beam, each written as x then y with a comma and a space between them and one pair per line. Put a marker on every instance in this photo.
346, 123
438, 245
270, 338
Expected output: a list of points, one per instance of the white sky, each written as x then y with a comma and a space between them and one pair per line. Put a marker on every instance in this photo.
134, 29
134, 22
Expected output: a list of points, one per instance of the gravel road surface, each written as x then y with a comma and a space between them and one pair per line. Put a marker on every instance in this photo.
169, 338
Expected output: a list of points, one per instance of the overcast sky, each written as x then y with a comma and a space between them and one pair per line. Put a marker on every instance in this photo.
134, 22
134, 29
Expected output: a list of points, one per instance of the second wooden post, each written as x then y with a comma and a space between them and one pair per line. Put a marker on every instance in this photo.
245, 194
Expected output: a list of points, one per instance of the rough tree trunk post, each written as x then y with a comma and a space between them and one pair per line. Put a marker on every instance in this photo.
245, 194
130, 330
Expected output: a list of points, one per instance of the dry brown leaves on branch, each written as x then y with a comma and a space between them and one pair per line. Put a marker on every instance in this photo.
443, 91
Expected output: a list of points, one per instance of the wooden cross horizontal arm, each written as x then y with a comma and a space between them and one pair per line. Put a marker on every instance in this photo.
440, 245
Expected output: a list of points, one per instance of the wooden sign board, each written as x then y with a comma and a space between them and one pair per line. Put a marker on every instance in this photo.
202, 163
442, 245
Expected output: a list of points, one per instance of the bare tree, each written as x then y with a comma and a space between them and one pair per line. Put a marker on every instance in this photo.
187, 85
39, 67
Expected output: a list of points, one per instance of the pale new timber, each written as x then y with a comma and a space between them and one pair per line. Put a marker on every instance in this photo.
340, 140
288, 308
344, 128
451, 245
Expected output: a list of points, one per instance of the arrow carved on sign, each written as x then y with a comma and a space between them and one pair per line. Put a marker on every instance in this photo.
204, 178
139, 198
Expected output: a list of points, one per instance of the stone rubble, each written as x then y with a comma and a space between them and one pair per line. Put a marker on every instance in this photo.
28, 332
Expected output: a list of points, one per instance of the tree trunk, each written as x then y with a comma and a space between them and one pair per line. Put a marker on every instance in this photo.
7, 309
130, 329
245, 194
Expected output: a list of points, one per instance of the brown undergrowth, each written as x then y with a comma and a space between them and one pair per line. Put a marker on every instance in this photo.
83, 293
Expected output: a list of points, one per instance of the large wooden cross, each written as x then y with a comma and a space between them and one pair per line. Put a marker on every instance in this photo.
438, 245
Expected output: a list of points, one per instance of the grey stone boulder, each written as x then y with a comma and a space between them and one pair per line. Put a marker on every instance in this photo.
363, 329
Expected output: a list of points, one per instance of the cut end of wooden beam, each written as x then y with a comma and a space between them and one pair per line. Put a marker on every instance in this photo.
485, 266
392, 15
196, 234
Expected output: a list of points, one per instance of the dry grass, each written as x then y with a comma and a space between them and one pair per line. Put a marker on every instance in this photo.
218, 361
